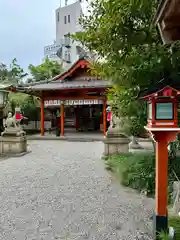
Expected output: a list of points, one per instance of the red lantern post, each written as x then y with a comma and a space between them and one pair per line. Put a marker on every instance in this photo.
162, 123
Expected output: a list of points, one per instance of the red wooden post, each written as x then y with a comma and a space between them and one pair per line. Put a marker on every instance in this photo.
104, 118
62, 119
163, 124
42, 117
161, 174
161, 215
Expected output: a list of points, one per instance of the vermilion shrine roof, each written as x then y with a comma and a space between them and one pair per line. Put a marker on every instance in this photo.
167, 91
80, 63
159, 87
63, 81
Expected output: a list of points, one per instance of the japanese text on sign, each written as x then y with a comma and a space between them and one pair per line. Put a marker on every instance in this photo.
72, 102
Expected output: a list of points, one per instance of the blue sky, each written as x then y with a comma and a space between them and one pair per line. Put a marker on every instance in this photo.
26, 26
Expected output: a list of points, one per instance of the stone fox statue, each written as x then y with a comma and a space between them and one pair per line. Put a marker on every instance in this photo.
12, 126
11, 121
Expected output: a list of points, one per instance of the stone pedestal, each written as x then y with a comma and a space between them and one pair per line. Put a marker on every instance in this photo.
13, 141
115, 141
134, 146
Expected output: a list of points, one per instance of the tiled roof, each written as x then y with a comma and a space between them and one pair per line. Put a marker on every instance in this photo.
5, 86
53, 85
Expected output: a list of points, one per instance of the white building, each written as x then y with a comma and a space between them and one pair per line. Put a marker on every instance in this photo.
67, 23
50, 51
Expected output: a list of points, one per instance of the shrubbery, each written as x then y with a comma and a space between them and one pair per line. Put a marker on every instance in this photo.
138, 171
175, 223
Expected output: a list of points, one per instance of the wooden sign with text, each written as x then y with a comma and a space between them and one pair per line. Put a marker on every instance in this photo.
72, 102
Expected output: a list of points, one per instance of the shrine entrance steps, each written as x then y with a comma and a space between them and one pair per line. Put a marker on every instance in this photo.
70, 136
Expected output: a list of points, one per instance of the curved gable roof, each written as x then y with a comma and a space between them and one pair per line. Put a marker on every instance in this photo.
80, 63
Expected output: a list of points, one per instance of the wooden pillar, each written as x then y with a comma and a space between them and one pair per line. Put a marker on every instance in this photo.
104, 118
161, 196
42, 117
62, 119
161, 177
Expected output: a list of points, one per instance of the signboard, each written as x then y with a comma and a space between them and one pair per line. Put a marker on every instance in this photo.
164, 111
52, 102
72, 102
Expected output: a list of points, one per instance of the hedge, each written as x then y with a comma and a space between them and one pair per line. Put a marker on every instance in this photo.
138, 171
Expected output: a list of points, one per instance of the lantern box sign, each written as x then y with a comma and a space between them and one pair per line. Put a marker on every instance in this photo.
162, 107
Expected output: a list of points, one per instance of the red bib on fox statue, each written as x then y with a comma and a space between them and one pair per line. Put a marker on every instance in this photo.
18, 115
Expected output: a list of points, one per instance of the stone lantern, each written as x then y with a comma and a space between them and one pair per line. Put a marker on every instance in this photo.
115, 142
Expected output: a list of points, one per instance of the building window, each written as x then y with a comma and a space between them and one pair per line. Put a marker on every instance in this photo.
68, 18
67, 40
67, 56
58, 16
65, 20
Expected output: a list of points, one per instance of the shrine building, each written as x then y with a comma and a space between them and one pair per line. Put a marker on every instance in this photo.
75, 96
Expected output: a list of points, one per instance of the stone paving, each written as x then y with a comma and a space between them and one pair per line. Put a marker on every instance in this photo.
61, 191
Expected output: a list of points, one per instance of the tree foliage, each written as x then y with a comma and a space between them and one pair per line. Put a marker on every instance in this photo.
134, 58
46, 70
13, 74
28, 104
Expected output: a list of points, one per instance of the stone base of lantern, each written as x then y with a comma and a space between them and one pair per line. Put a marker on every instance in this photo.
134, 146
115, 142
13, 142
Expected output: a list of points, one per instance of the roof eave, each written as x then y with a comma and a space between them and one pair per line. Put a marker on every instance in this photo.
160, 11
6, 87
61, 89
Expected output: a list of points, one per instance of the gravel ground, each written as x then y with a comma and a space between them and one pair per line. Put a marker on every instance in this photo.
61, 191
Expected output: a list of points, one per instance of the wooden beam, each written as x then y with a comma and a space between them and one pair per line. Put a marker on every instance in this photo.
74, 98
170, 35
173, 8
104, 118
163, 6
171, 23
62, 119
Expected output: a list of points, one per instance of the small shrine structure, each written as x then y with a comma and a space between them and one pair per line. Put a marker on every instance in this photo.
77, 94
